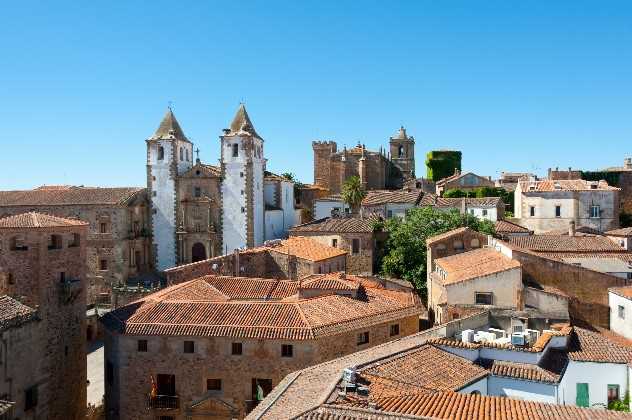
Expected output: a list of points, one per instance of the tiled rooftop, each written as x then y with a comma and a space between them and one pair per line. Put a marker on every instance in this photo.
451, 233
337, 225
485, 202
37, 220
377, 197
306, 248
68, 195
620, 232
550, 373
425, 367
565, 185
258, 308
564, 243
590, 346
505, 226
14, 313
473, 264
625, 292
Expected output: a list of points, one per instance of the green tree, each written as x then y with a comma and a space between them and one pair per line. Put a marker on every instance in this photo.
289, 176
353, 193
454, 193
405, 250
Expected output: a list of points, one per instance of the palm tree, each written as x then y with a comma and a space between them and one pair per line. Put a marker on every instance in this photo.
353, 193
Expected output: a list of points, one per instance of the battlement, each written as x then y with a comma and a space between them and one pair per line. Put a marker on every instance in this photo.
328, 145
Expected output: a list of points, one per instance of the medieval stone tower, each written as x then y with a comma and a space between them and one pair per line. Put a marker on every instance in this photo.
169, 154
402, 149
242, 166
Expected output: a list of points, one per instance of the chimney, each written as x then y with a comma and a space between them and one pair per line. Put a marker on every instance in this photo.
571, 228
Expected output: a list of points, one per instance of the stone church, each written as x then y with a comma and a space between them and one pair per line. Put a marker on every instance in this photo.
376, 170
198, 210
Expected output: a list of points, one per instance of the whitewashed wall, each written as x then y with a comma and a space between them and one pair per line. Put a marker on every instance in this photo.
258, 166
620, 326
598, 376
522, 390
163, 197
274, 224
323, 208
287, 203
480, 386
234, 220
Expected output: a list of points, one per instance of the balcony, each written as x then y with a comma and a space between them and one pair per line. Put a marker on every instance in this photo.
163, 402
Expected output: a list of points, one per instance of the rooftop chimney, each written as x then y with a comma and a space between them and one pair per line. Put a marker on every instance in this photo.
571, 228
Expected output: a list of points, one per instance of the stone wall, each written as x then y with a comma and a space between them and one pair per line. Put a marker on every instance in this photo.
126, 394
34, 276
127, 237
588, 289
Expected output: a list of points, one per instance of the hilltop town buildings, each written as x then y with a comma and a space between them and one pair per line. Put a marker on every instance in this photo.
43, 265
214, 346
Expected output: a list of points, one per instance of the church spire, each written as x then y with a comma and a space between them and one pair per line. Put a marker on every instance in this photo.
241, 123
169, 128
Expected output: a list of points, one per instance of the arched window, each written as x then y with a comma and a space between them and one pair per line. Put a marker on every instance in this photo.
458, 245
235, 150
181, 153
401, 150
161, 153
474, 243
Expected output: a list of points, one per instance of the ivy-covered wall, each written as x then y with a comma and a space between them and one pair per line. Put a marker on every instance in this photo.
611, 177
441, 163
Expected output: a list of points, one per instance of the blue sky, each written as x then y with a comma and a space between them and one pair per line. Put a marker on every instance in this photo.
517, 86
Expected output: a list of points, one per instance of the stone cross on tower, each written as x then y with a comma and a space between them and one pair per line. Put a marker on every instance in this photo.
197, 152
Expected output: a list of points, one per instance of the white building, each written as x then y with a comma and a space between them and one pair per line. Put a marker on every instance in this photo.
490, 208
252, 206
548, 205
330, 206
622, 236
390, 203
620, 302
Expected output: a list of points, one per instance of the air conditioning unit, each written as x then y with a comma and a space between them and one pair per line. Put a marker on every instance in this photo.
484, 336
502, 341
497, 332
518, 339
349, 375
467, 336
533, 335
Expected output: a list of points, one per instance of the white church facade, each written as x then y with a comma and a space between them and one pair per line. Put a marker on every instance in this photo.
199, 211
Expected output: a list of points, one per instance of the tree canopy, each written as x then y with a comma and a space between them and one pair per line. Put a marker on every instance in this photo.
405, 252
352, 192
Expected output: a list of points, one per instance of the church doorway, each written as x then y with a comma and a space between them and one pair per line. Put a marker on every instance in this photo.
198, 252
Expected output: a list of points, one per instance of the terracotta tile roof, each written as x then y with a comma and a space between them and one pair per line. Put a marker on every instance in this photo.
525, 371
457, 406
14, 313
332, 281
271, 176
205, 170
580, 231
567, 256
257, 308
563, 243
306, 248
377, 197
458, 176
68, 196
454, 232
425, 367
505, 226
473, 264
337, 225
620, 232
428, 199
37, 220
590, 346
564, 185
537, 347
625, 292
486, 202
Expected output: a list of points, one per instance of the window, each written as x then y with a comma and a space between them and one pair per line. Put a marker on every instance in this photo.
241, 174
103, 265
76, 240
621, 312
17, 244
186, 153
355, 246
394, 330
213, 384
582, 398
30, 398
458, 245
54, 242
103, 227
613, 393
475, 243
243, 209
363, 338
400, 151
11, 279
237, 349
154, 193
389, 214
235, 150
334, 243
181, 153
62, 276
287, 350
595, 212
484, 212
197, 192
109, 373
558, 211
161, 153
483, 298
189, 346
531, 211
142, 346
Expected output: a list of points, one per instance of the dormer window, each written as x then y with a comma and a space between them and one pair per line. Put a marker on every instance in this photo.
235, 150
